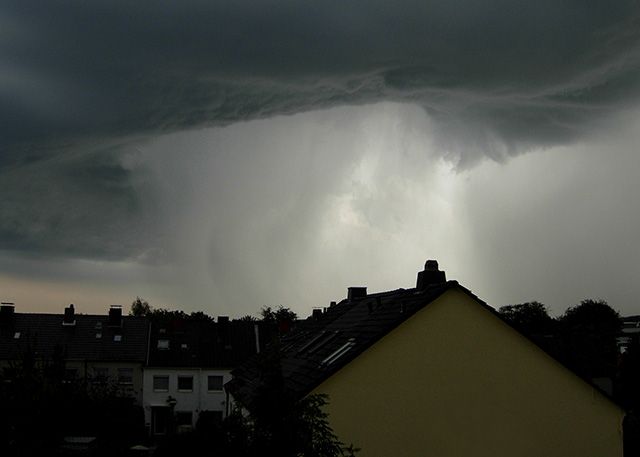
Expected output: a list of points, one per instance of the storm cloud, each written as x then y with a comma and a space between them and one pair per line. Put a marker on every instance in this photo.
500, 76
95, 98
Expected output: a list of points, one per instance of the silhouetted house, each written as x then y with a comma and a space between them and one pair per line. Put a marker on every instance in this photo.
98, 349
434, 370
189, 362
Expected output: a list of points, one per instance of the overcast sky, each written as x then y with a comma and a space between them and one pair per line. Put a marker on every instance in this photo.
223, 156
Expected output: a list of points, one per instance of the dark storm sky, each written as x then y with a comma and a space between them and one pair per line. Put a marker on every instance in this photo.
228, 155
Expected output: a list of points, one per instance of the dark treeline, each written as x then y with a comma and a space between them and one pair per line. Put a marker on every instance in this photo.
140, 307
584, 338
40, 405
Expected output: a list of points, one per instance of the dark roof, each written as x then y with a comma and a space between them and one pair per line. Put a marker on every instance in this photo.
43, 334
189, 343
321, 346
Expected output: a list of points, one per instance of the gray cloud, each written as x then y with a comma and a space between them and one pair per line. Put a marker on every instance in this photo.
523, 73
82, 84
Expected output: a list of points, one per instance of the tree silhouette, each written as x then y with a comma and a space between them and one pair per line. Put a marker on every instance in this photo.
140, 307
530, 318
589, 333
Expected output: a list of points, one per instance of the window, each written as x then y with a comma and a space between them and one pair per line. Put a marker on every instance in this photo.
185, 383
184, 346
161, 383
208, 419
100, 374
214, 383
98, 335
125, 376
70, 374
183, 418
16, 336
117, 338
163, 344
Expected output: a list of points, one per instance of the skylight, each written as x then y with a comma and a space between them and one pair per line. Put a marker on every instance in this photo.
318, 341
339, 352
323, 341
117, 337
312, 341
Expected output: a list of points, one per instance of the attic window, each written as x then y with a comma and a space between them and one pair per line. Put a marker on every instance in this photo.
184, 346
339, 352
98, 325
163, 344
16, 336
162, 330
98, 335
117, 338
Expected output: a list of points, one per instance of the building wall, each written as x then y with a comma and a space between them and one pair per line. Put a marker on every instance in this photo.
454, 380
195, 401
83, 370
88, 370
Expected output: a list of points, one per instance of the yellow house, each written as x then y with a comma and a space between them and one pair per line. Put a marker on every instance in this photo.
434, 371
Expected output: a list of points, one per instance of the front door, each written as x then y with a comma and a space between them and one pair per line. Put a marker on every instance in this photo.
160, 420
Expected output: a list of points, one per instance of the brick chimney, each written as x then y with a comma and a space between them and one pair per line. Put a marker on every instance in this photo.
6, 312
431, 275
354, 293
69, 315
115, 316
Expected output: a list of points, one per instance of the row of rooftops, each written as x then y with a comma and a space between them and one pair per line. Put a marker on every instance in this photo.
112, 337
327, 335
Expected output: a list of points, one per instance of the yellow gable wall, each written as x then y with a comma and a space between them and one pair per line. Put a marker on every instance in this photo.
454, 380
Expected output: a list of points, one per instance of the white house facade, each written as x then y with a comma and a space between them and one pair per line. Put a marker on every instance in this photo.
182, 394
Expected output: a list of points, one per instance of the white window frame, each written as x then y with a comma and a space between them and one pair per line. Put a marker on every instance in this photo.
221, 383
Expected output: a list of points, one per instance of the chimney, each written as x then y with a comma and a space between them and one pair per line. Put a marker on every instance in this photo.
354, 293
6, 312
115, 316
316, 313
224, 332
69, 315
430, 275
256, 334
